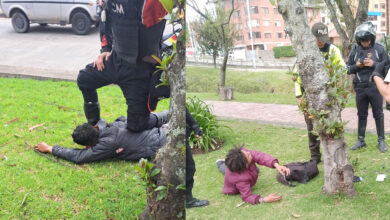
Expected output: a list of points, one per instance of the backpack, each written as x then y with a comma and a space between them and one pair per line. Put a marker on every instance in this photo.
299, 171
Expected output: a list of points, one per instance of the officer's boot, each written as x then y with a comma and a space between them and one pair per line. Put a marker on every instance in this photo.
380, 130
360, 143
92, 112
162, 118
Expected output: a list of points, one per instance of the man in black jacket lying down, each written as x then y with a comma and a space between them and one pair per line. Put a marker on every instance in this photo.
110, 140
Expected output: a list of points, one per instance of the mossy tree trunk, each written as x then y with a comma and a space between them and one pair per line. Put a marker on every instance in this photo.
338, 173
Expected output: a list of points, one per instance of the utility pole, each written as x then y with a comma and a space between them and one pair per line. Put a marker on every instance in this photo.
387, 17
250, 33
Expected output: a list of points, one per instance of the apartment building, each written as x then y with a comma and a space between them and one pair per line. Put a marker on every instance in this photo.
266, 23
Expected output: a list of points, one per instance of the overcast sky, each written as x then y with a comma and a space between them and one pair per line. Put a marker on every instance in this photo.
191, 14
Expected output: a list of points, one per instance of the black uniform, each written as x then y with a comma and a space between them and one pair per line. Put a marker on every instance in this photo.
125, 33
366, 92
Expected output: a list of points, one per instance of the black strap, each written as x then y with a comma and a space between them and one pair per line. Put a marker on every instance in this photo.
305, 177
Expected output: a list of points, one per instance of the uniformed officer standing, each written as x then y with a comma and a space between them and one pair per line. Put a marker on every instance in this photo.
130, 34
320, 31
365, 56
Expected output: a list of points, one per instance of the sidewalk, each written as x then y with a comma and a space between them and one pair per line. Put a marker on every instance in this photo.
283, 115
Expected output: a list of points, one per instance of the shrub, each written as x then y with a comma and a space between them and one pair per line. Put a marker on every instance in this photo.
208, 122
283, 51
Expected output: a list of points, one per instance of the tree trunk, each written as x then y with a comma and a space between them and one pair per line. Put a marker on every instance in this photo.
215, 59
171, 157
338, 173
225, 93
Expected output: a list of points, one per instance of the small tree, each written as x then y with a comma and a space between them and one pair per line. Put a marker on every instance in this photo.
226, 34
207, 38
325, 97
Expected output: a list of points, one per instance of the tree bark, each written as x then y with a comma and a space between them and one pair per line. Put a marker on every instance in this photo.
171, 157
215, 59
338, 173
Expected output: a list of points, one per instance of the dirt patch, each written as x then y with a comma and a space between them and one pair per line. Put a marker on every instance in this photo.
197, 150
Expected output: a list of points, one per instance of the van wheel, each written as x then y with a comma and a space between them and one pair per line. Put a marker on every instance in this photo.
20, 22
81, 23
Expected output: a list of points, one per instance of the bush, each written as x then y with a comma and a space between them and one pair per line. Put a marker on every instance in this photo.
283, 51
208, 122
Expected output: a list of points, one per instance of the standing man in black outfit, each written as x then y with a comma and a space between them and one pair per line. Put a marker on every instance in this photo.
362, 62
191, 126
130, 35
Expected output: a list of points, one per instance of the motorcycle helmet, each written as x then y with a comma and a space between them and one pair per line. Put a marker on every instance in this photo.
365, 31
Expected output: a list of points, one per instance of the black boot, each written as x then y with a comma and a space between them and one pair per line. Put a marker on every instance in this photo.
92, 112
162, 118
194, 202
360, 143
380, 130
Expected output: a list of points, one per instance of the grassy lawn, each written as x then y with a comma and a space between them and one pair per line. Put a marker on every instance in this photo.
272, 86
34, 187
307, 201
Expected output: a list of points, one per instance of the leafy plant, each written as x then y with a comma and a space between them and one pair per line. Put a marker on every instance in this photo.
283, 51
207, 122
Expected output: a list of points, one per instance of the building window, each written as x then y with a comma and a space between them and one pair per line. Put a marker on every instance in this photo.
383, 6
383, 15
256, 34
280, 35
238, 26
236, 14
254, 23
276, 11
383, 23
266, 23
376, 5
268, 35
278, 23
240, 38
265, 10
254, 10
249, 36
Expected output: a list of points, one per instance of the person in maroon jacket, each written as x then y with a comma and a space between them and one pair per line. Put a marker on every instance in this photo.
241, 173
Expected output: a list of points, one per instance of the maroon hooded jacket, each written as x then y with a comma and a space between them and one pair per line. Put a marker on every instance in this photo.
235, 182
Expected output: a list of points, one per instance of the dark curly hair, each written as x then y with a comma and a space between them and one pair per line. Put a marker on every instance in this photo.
85, 135
236, 160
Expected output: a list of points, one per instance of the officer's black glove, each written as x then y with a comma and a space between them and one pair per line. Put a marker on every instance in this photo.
197, 130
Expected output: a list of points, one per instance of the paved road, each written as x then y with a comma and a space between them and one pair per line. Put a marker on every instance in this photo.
286, 115
46, 51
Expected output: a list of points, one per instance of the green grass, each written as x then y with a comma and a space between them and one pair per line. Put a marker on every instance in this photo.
103, 190
272, 86
290, 145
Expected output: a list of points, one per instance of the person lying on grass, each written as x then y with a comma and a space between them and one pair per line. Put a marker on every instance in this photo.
112, 140
241, 173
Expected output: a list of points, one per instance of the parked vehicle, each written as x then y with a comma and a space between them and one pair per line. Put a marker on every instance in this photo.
81, 14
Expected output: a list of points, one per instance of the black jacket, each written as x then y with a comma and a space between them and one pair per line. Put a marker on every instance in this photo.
131, 30
376, 52
113, 136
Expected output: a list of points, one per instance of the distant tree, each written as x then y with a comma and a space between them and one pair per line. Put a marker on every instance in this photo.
207, 38
226, 33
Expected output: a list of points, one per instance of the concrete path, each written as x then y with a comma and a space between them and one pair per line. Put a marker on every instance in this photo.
285, 115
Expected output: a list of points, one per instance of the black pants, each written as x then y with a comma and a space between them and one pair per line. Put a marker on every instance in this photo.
368, 95
314, 143
133, 81
190, 171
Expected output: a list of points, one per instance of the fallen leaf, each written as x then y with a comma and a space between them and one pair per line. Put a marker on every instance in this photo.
376, 159
295, 215
35, 126
17, 136
240, 204
13, 120
35, 117
63, 108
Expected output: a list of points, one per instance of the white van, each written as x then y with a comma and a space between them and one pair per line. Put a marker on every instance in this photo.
82, 14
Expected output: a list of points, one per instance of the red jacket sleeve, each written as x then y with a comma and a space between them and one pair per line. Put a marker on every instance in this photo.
263, 159
152, 12
246, 193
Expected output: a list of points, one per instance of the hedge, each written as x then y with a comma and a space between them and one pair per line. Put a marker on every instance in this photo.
283, 51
